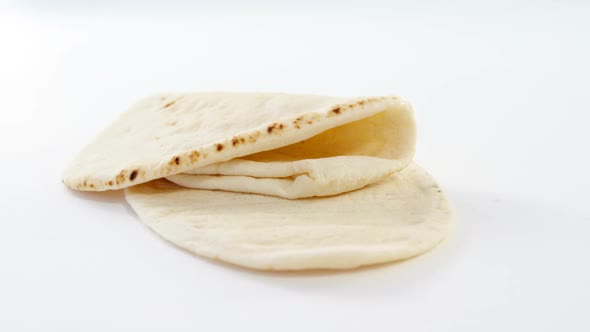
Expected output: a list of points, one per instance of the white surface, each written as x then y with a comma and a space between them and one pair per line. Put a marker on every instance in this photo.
502, 107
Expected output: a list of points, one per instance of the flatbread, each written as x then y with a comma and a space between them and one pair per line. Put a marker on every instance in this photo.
169, 134
397, 218
245, 164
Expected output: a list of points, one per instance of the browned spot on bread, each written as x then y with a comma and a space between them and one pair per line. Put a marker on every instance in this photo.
242, 140
84, 183
92, 185
194, 156
219, 147
271, 128
133, 175
296, 122
110, 183
235, 141
252, 138
281, 126
169, 104
362, 102
120, 178
336, 110
309, 122
177, 160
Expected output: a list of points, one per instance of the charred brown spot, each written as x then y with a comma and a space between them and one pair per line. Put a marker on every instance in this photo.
194, 156
169, 104
91, 185
133, 175
362, 102
296, 125
252, 138
219, 147
273, 127
235, 141
242, 140
110, 183
177, 160
336, 110
120, 177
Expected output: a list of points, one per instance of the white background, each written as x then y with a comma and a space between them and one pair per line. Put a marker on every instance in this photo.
501, 95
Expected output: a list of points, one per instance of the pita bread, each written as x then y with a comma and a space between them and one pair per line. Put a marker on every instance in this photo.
397, 218
233, 158
168, 134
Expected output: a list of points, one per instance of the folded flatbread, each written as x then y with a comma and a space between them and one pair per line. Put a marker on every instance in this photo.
239, 163
284, 138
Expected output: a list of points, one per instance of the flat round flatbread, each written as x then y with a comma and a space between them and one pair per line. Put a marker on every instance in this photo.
400, 217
